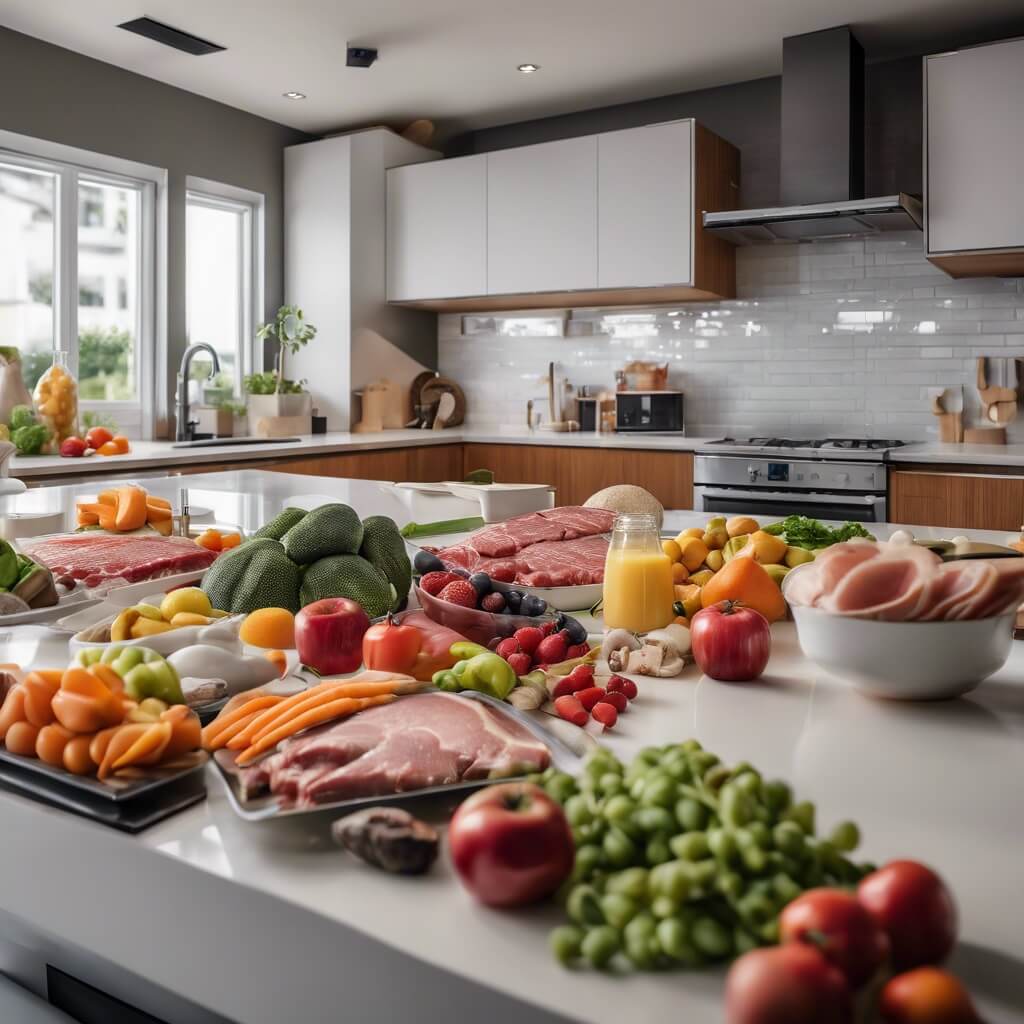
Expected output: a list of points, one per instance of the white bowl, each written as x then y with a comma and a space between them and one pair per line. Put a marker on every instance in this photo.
905, 660
222, 633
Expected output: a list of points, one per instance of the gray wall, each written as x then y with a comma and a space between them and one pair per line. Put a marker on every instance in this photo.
747, 115
65, 97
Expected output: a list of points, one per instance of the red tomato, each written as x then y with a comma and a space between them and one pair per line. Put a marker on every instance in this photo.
916, 910
389, 647
791, 984
72, 447
840, 928
926, 995
730, 641
511, 844
98, 436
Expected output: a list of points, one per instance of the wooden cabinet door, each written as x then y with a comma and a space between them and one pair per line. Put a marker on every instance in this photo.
645, 206
975, 148
956, 500
542, 217
437, 229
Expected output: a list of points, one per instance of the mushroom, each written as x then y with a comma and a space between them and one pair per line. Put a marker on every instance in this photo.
616, 647
662, 653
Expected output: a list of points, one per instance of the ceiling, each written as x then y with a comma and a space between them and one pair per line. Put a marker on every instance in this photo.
454, 61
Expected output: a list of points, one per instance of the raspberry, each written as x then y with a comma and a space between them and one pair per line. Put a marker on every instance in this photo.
529, 638
551, 650
459, 592
508, 647
520, 662
434, 582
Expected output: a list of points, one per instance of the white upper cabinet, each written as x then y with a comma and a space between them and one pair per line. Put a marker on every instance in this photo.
645, 206
542, 217
437, 229
974, 124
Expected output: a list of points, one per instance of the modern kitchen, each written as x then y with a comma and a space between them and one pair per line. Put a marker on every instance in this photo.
511, 511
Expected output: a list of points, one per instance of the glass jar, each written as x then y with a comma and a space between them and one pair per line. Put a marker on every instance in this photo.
56, 400
637, 576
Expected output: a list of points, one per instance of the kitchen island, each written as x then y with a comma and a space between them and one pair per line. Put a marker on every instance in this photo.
268, 922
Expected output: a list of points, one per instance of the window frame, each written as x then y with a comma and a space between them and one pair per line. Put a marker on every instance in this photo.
251, 206
72, 165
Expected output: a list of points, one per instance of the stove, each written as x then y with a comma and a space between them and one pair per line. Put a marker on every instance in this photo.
832, 478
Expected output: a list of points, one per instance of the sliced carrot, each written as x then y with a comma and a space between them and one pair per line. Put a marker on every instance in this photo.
278, 659
241, 710
341, 708
274, 715
225, 736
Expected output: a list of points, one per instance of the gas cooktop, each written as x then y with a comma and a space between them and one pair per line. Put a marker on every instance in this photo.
829, 443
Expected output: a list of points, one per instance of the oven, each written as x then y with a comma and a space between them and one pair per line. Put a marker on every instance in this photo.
765, 486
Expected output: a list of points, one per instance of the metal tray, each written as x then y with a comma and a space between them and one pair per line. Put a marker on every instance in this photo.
267, 808
117, 790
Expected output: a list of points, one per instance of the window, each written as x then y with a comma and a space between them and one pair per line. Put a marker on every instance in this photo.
78, 272
222, 292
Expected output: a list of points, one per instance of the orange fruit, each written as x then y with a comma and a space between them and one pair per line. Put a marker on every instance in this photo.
211, 540
273, 628
743, 580
679, 573
230, 540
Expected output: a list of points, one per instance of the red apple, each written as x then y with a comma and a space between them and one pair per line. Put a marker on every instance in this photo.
731, 642
791, 984
72, 448
511, 844
329, 635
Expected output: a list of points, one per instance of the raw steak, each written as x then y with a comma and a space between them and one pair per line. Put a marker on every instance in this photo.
96, 557
554, 548
428, 739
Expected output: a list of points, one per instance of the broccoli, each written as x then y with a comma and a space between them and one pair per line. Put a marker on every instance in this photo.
21, 416
29, 440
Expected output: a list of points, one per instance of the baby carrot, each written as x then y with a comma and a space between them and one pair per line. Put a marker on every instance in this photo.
226, 718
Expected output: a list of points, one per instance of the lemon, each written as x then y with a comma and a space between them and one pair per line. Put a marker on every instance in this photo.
672, 549
186, 599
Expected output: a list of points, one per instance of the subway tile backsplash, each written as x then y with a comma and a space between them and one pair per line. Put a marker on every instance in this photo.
844, 337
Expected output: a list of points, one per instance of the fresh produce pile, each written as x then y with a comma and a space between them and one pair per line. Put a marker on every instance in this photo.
801, 532
98, 440
300, 557
216, 540
126, 510
186, 606
25, 584
458, 586
110, 711
683, 860
27, 434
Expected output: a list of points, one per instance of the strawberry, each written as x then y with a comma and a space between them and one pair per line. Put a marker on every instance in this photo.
583, 675
617, 699
569, 708
459, 592
520, 662
574, 681
529, 638
551, 650
617, 684
578, 651
493, 602
605, 714
590, 696
507, 647
547, 628
434, 582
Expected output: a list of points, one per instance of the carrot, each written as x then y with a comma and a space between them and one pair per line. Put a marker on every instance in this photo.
226, 717
340, 708
227, 734
240, 740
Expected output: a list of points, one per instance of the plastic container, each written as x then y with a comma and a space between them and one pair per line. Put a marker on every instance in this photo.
56, 401
637, 576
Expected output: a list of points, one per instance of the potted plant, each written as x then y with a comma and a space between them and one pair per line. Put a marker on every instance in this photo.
273, 394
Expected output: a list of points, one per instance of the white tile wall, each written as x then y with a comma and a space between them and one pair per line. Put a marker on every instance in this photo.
842, 337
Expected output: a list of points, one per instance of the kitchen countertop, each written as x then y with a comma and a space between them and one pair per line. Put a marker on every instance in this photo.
960, 454
265, 922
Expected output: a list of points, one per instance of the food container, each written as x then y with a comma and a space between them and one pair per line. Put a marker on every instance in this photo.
638, 592
222, 633
473, 623
56, 401
499, 502
905, 660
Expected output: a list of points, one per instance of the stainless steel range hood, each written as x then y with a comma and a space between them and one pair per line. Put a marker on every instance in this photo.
821, 170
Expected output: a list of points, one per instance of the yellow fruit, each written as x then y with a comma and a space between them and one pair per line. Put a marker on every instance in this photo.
149, 627
269, 627
689, 598
121, 627
715, 522
702, 578
715, 560
186, 599
692, 531
672, 549
740, 525
797, 556
764, 548
679, 573
734, 547
716, 539
189, 619
150, 611
216, 613
694, 551
777, 572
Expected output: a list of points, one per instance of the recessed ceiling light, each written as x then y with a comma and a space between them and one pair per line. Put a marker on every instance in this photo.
528, 69
294, 95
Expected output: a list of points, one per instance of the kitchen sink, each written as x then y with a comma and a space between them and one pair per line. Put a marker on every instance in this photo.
216, 442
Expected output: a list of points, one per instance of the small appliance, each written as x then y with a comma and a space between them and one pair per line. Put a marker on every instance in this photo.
651, 412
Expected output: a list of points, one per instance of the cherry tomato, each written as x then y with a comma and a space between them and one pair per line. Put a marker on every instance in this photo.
916, 910
730, 641
97, 437
926, 995
840, 928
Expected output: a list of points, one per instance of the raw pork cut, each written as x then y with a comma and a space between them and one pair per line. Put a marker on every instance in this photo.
906, 583
427, 739
99, 558
557, 547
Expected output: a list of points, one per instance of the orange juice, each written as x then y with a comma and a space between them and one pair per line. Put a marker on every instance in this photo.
637, 577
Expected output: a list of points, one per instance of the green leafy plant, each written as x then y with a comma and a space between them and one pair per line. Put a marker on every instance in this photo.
225, 405
92, 419
269, 384
290, 332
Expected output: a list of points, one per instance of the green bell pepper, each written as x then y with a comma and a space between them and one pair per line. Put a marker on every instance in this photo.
145, 673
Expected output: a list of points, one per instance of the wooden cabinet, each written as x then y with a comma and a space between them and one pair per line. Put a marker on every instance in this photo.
974, 125
959, 500
576, 473
542, 217
437, 229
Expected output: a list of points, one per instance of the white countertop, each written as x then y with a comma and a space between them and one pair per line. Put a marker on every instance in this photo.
960, 454
267, 923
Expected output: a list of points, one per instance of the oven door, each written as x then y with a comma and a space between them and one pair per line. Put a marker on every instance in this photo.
858, 508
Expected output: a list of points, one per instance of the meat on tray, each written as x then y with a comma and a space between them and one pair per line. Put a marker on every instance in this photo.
556, 547
427, 739
97, 558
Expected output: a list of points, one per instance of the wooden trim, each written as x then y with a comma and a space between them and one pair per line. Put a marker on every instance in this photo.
955, 469
981, 264
717, 187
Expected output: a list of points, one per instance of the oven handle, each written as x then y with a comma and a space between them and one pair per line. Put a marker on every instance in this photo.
793, 496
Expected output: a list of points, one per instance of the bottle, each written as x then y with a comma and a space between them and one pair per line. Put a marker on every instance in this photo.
56, 400
637, 576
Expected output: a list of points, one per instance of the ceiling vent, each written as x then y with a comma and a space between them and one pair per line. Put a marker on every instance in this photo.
174, 37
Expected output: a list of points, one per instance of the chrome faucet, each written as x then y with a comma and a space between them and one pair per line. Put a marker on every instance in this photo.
184, 428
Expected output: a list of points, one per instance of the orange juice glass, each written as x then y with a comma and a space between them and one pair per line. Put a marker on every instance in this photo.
637, 576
